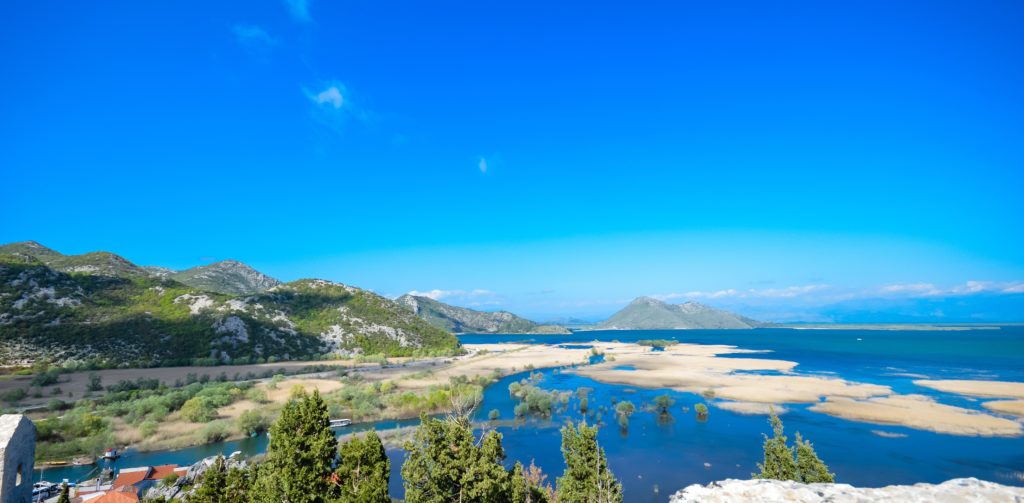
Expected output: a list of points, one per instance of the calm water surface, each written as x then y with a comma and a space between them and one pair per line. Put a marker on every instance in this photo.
656, 456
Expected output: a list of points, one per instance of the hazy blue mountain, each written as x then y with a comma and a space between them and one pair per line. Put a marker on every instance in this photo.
100, 307
464, 320
228, 276
646, 313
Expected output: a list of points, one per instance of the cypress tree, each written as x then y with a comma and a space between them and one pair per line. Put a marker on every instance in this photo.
301, 454
812, 469
778, 457
444, 464
364, 470
65, 495
211, 489
587, 478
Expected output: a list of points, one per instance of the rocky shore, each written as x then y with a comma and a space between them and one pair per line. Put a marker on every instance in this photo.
952, 491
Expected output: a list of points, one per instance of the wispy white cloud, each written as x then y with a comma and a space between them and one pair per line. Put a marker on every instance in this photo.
250, 34
482, 164
299, 10
788, 292
332, 96
968, 288
444, 294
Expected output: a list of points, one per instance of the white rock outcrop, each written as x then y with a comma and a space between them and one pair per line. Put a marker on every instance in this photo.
952, 491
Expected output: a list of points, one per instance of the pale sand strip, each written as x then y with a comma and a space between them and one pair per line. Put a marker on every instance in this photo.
995, 389
696, 370
751, 408
1015, 407
504, 358
921, 412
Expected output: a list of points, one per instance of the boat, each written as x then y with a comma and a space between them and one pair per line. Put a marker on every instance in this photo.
111, 454
340, 423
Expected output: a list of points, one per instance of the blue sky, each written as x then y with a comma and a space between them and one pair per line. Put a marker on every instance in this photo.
552, 159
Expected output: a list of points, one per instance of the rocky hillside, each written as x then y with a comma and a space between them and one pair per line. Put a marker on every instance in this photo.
228, 276
776, 491
103, 308
645, 313
463, 320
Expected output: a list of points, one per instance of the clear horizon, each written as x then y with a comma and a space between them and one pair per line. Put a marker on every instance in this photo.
799, 162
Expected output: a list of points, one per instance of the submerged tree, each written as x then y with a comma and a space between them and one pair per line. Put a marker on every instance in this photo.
779, 462
587, 478
811, 468
662, 403
364, 470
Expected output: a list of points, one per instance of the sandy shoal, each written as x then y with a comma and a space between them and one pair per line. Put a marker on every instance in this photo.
700, 369
921, 412
994, 389
751, 408
1015, 407
486, 359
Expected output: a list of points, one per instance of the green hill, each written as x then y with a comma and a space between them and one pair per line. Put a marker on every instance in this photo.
645, 313
464, 320
100, 307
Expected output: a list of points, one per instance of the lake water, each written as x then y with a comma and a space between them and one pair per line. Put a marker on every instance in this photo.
657, 456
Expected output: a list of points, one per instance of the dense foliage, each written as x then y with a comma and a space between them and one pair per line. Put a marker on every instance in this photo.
100, 310
587, 478
782, 463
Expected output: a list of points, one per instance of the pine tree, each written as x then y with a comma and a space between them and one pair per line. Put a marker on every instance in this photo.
444, 464
778, 457
587, 478
238, 483
301, 454
364, 470
211, 488
811, 468
65, 495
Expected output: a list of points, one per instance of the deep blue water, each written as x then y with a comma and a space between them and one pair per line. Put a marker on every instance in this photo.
656, 455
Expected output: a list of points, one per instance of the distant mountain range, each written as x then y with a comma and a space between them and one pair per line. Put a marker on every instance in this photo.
646, 313
464, 320
101, 307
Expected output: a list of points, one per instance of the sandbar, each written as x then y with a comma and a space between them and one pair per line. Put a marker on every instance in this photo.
1015, 407
921, 412
993, 389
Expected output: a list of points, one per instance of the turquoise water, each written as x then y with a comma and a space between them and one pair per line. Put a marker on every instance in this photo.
657, 456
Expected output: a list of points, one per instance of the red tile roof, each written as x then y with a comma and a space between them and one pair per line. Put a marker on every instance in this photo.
131, 476
117, 497
162, 471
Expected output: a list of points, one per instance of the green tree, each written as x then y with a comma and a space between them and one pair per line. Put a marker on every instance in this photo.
211, 488
701, 409
811, 468
778, 456
65, 496
445, 464
251, 421
526, 485
198, 410
238, 483
364, 470
587, 478
662, 403
300, 457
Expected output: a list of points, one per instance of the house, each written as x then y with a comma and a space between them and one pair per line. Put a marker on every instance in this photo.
129, 484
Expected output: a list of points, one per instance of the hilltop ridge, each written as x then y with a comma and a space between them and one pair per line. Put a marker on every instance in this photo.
465, 320
648, 313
